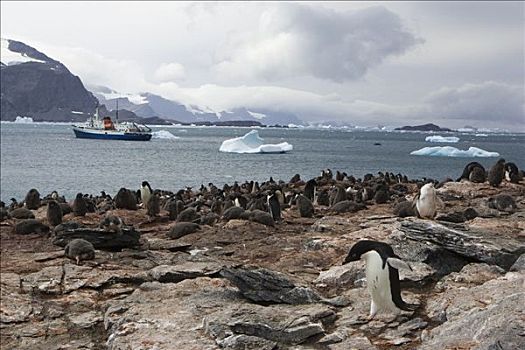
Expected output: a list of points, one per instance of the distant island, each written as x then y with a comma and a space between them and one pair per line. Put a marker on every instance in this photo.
424, 127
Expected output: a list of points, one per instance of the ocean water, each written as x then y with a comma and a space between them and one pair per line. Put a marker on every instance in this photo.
48, 157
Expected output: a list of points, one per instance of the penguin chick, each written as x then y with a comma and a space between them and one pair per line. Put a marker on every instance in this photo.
54, 213
80, 249
427, 202
496, 173
112, 223
79, 205
153, 206
382, 276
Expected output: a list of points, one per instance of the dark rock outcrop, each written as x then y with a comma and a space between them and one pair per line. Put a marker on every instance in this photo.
101, 239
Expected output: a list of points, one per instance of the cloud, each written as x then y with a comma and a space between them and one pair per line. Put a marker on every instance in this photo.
488, 101
298, 40
169, 72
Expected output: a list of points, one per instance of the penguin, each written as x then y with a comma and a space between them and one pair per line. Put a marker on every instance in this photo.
496, 173
274, 207
427, 201
381, 195
125, 199
512, 173
32, 199
503, 202
112, 223
476, 168
309, 189
295, 178
4, 214
80, 249
79, 205
338, 195
153, 205
382, 276
145, 193
54, 213
171, 207
306, 208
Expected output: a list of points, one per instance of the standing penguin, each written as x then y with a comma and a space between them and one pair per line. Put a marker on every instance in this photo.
512, 173
427, 201
54, 213
153, 205
145, 193
309, 189
382, 277
79, 205
32, 199
496, 173
306, 208
274, 207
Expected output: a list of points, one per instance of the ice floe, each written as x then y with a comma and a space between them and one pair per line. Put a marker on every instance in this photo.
23, 120
163, 134
252, 143
448, 151
437, 138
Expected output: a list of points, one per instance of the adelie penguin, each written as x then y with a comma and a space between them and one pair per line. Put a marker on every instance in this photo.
54, 213
382, 276
145, 193
274, 207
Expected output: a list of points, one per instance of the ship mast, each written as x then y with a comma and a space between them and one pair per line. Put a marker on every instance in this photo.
116, 116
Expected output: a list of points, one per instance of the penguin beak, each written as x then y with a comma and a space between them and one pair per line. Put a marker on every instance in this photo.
350, 258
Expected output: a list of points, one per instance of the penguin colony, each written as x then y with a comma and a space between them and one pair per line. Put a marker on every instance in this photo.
270, 203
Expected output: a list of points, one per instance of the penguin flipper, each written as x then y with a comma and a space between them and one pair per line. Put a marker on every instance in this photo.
397, 263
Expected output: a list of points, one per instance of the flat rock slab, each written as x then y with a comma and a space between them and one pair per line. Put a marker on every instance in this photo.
266, 286
472, 244
189, 270
101, 239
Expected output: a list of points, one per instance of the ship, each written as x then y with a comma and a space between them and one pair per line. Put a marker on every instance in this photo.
106, 129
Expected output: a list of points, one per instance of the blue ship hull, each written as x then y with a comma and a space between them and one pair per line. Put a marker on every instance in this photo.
111, 135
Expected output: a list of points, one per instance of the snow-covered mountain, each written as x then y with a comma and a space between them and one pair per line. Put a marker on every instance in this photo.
37, 86
149, 105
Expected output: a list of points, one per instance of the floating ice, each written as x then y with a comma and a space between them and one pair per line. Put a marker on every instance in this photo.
23, 120
448, 151
437, 138
252, 143
163, 134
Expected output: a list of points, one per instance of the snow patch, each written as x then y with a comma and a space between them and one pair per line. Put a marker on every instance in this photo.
77, 112
481, 135
437, 138
12, 58
258, 116
448, 151
164, 134
252, 143
133, 98
23, 120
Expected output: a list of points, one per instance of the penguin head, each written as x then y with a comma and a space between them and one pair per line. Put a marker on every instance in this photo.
363, 247
80, 196
145, 184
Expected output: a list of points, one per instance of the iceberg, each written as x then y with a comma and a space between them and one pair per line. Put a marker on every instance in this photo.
23, 120
437, 138
163, 134
252, 143
448, 151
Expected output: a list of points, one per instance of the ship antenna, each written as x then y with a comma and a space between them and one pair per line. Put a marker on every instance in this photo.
116, 116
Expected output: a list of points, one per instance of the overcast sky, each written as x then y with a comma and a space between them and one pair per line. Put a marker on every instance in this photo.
365, 63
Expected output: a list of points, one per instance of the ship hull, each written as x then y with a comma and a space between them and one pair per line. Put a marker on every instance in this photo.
111, 135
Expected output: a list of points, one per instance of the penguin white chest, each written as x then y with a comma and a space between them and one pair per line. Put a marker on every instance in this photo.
145, 195
378, 282
426, 203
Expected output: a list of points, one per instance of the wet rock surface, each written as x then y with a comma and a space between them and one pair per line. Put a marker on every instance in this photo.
240, 284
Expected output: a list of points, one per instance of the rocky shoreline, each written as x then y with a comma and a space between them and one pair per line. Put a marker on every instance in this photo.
245, 282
